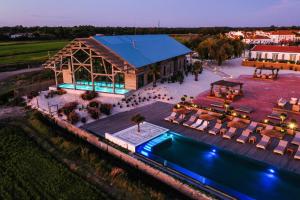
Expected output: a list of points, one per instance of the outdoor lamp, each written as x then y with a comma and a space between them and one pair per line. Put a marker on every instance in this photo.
266, 121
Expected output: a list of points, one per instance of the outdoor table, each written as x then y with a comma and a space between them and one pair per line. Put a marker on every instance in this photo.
252, 139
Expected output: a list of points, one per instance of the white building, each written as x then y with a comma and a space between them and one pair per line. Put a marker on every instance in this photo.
257, 39
276, 53
281, 36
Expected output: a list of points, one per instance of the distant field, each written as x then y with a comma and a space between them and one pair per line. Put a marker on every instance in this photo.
27, 172
16, 53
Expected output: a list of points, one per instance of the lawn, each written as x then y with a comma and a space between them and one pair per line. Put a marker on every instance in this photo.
13, 53
28, 172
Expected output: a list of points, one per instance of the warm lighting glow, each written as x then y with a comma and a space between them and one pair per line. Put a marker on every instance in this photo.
234, 114
178, 105
266, 121
292, 125
244, 116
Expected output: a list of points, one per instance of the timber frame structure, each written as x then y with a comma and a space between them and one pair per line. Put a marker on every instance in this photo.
66, 63
89, 64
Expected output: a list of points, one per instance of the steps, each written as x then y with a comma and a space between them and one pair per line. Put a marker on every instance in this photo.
157, 141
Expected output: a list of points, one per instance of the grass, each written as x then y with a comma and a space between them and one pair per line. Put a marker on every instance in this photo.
27, 172
28, 52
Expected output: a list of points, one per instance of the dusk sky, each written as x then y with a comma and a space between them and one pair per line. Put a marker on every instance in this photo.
170, 13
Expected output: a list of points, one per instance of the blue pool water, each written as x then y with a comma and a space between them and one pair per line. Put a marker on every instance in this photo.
232, 174
99, 87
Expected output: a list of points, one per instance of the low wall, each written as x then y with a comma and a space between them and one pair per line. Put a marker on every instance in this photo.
163, 177
275, 65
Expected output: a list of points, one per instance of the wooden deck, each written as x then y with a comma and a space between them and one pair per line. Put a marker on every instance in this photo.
156, 112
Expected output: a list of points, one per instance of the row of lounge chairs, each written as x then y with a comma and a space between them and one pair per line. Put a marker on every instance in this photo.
196, 123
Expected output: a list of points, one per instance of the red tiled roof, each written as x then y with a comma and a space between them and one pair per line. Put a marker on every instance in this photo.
283, 32
257, 37
271, 48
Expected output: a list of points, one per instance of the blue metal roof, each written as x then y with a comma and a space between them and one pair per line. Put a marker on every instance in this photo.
141, 50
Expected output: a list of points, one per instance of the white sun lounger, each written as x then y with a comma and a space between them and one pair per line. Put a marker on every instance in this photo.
179, 119
263, 143
230, 133
215, 130
203, 126
251, 128
296, 139
171, 117
297, 154
197, 123
190, 121
281, 147
244, 136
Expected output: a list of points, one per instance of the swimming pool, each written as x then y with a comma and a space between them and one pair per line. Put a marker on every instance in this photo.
99, 87
227, 172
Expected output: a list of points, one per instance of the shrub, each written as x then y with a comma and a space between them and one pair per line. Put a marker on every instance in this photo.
69, 107
73, 117
60, 92
106, 109
83, 120
94, 112
94, 104
89, 95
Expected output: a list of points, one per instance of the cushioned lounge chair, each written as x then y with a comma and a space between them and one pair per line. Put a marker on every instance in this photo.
216, 129
251, 128
297, 154
244, 136
173, 116
296, 139
179, 119
190, 121
263, 143
281, 147
197, 123
230, 133
203, 126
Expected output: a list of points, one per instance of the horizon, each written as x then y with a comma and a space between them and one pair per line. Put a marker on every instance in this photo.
168, 13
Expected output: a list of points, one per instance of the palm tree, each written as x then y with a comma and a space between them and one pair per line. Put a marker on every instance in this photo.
138, 119
154, 71
197, 68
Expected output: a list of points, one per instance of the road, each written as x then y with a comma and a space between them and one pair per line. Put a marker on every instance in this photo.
5, 75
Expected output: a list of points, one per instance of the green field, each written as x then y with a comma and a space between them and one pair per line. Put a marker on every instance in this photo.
27, 172
14, 53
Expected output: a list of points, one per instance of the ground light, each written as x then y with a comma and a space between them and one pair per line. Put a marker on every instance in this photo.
271, 171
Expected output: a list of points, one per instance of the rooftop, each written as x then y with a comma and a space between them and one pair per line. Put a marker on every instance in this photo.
142, 50
271, 48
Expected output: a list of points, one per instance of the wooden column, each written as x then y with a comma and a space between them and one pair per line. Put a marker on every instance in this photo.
113, 79
72, 69
92, 70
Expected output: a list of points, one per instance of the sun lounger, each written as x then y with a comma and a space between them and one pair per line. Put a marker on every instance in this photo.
281, 147
269, 127
197, 123
215, 130
244, 136
171, 117
203, 126
179, 119
244, 109
297, 154
274, 115
190, 121
281, 102
230, 133
217, 104
251, 128
296, 139
263, 143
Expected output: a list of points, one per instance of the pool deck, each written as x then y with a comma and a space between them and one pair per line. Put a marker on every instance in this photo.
156, 112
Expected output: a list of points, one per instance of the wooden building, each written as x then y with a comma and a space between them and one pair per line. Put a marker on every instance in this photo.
116, 64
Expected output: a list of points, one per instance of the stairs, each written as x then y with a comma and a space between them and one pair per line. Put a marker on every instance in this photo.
157, 141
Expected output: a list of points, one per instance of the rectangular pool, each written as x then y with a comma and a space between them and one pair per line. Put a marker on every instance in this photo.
232, 174
99, 87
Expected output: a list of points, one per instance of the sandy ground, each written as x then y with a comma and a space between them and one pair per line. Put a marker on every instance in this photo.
8, 112
171, 92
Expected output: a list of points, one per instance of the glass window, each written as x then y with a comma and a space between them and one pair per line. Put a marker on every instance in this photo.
275, 56
292, 57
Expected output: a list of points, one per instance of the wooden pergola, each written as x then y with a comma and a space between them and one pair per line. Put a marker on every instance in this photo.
87, 54
258, 73
227, 90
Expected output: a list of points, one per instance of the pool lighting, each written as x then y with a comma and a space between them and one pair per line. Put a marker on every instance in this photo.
272, 171
214, 150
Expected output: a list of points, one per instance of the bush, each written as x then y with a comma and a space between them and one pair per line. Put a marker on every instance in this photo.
73, 117
94, 112
83, 120
94, 104
89, 95
106, 109
68, 107
61, 92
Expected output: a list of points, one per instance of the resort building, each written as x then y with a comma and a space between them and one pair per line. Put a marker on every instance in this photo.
276, 53
257, 39
282, 36
116, 64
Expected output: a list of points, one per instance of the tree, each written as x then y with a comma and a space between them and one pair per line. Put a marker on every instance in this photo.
197, 68
154, 71
138, 119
